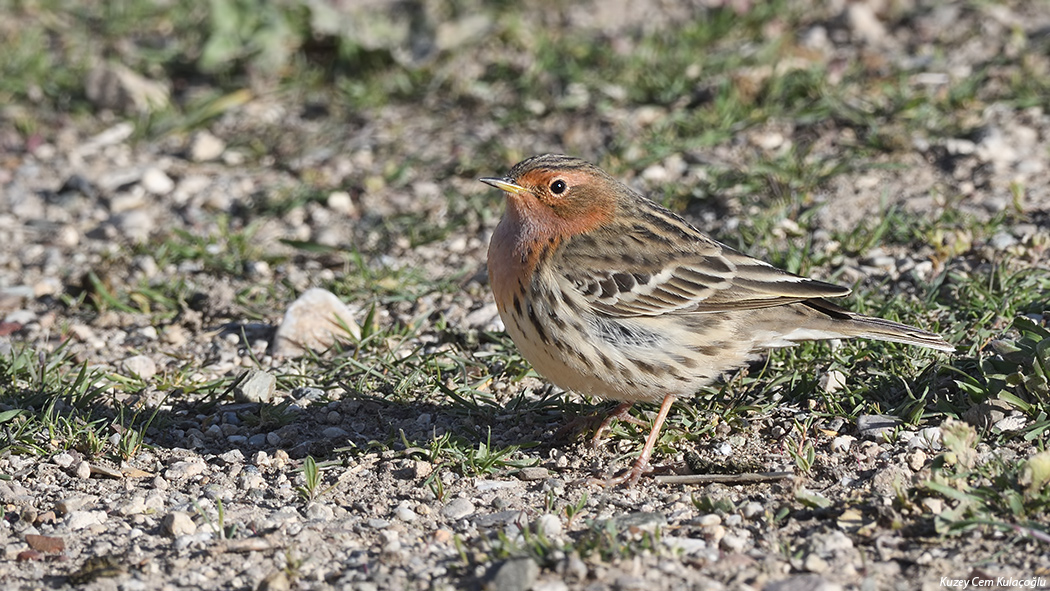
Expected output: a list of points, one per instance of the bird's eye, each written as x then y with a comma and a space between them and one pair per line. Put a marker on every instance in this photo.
558, 187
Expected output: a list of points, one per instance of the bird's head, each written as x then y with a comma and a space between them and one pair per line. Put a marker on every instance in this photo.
559, 194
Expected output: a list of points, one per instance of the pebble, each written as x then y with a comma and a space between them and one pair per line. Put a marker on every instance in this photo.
515, 574
686, 545
842, 443
234, 456
155, 181
533, 473
873, 426
71, 504
916, 459
405, 513
185, 469
928, 439
275, 581
319, 512
135, 225
313, 322
204, 147
753, 509
807, 582
341, 202
78, 520
63, 460
733, 542
112, 85
548, 525
141, 366
831, 543
257, 386
815, 564
645, 520
83, 470
335, 433
457, 509
178, 523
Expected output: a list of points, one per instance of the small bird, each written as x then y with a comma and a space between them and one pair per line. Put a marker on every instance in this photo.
608, 294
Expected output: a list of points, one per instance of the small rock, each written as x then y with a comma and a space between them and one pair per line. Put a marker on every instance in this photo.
319, 512
833, 381
63, 460
46, 544
733, 542
713, 534
916, 459
515, 574
1014, 422
933, 505
71, 504
549, 525
234, 456
341, 202
753, 509
134, 506
257, 386
83, 470
686, 545
135, 225
314, 322
803, 583
141, 366
874, 426
157, 182
204, 147
865, 25
405, 513
832, 543
115, 86
335, 433
711, 519
928, 439
457, 509
815, 564
533, 473
644, 520
891, 479
78, 520
178, 523
842, 443
182, 470
275, 581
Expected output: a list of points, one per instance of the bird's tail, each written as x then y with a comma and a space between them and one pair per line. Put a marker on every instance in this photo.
851, 324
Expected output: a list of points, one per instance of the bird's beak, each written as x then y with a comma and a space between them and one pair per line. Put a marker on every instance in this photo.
504, 185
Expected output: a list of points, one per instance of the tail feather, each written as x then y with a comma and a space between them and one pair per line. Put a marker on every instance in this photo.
869, 327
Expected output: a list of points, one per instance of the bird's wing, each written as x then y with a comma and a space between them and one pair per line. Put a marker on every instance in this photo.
631, 274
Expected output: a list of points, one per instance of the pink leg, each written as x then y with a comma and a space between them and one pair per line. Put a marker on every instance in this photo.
620, 413
641, 465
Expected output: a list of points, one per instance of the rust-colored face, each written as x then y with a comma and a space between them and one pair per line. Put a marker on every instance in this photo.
561, 202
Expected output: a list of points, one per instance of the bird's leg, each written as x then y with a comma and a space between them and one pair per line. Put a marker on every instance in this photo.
641, 465
580, 423
620, 413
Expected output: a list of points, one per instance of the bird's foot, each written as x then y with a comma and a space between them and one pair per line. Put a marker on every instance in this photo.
628, 478
582, 423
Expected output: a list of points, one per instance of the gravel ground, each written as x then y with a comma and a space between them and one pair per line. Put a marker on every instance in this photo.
83, 202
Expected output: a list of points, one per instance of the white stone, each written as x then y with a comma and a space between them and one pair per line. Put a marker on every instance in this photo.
157, 182
314, 322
